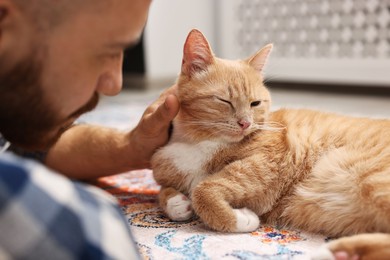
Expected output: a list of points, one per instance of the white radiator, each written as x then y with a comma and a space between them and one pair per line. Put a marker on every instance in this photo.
327, 41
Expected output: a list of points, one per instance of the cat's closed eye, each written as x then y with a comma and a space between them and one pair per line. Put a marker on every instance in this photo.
255, 103
224, 101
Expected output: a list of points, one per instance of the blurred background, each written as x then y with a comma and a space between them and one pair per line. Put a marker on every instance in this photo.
328, 54
327, 42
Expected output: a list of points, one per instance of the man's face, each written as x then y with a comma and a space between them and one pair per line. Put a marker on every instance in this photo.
62, 74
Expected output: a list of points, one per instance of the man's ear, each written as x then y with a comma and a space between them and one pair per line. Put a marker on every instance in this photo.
4, 10
15, 30
7, 7
2, 13
197, 54
9, 15
258, 60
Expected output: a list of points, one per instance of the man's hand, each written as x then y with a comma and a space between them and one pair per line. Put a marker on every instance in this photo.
152, 131
88, 152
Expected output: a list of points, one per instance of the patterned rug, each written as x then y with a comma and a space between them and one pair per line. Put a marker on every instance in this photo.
159, 238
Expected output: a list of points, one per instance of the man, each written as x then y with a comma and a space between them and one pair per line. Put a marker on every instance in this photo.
56, 57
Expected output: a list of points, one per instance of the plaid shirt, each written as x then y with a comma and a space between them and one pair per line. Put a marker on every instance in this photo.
44, 215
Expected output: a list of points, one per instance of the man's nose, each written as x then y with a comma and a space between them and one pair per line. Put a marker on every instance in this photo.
110, 83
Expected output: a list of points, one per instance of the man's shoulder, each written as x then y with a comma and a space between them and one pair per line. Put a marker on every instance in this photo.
13, 173
17, 173
23, 181
10, 161
42, 209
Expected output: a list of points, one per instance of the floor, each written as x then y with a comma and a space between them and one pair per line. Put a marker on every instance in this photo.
369, 105
377, 106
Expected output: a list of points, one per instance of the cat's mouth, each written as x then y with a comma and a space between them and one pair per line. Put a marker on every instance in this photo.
237, 135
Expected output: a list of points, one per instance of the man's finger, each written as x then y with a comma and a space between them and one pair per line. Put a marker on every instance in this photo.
162, 116
172, 91
172, 105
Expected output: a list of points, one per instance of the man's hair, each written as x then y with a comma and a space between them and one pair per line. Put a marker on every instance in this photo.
47, 14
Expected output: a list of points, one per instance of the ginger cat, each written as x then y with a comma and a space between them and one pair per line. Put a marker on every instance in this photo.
233, 162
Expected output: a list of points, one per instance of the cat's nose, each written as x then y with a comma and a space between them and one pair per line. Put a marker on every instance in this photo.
244, 124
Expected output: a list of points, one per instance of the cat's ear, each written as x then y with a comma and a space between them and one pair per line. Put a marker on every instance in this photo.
258, 60
197, 54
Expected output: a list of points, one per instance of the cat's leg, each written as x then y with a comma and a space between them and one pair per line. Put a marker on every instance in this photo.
229, 200
347, 193
374, 246
213, 206
175, 204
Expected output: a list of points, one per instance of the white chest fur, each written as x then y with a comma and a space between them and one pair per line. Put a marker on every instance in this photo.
190, 159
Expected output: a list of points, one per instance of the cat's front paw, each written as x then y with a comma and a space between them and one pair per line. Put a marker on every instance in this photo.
246, 220
179, 208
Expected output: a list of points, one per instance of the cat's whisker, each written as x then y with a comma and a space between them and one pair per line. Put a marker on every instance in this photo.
272, 123
265, 128
207, 125
220, 127
269, 126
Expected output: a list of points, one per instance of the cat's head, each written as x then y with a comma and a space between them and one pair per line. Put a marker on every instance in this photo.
220, 99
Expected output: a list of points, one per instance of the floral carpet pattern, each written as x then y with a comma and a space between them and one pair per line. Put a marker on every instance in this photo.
159, 238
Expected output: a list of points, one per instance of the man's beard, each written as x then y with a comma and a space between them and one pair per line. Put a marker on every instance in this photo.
27, 118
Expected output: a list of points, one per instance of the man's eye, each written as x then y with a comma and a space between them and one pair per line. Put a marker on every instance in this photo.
255, 103
115, 55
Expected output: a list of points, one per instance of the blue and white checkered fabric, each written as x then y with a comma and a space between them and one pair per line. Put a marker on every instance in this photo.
44, 215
